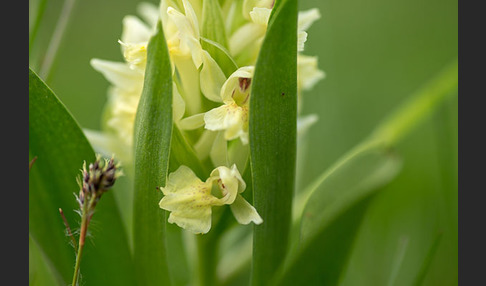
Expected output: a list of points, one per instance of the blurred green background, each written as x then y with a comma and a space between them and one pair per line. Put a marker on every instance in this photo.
375, 53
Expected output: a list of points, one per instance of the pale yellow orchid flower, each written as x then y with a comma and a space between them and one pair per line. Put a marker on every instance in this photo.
190, 200
232, 117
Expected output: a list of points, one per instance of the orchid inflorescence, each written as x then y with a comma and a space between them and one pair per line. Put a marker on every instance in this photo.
212, 71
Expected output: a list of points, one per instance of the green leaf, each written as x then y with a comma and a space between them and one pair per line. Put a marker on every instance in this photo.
183, 154
419, 280
37, 10
220, 55
397, 261
213, 24
41, 270
337, 200
418, 106
214, 37
273, 124
61, 147
153, 131
333, 214
176, 254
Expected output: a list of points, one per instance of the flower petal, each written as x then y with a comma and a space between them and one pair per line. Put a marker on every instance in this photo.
191, 17
135, 55
204, 144
223, 117
301, 39
305, 122
119, 74
149, 12
232, 83
196, 221
183, 177
245, 36
192, 122
189, 83
238, 154
244, 212
249, 5
219, 150
308, 73
307, 18
260, 16
179, 106
230, 182
212, 78
189, 38
135, 31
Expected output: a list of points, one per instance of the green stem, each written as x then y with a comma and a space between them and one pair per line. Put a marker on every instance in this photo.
36, 21
66, 224
419, 106
78, 262
207, 248
402, 248
32, 162
56, 39
207, 261
87, 206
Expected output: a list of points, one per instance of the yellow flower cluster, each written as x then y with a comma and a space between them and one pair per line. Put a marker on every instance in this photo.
211, 93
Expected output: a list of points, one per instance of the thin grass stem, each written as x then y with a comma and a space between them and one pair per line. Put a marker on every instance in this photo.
402, 248
73, 240
86, 217
36, 23
57, 36
32, 162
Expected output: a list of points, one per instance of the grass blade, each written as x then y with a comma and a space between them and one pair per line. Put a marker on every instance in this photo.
273, 123
41, 270
336, 201
153, 131
418, 106
419, 280
212, 23
333, 214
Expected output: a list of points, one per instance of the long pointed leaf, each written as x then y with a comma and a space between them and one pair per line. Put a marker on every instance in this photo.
419, 279
183, 154
346, 188
61, 147
333, 214
41, 270
273, 123
153, 131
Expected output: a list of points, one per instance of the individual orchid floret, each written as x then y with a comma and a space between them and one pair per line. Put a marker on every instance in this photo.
249, 5
243, 211
134, 41
232, 117
135, 54
308, 73
184, 40
123, 96
305, 20
190, 200
245, 42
